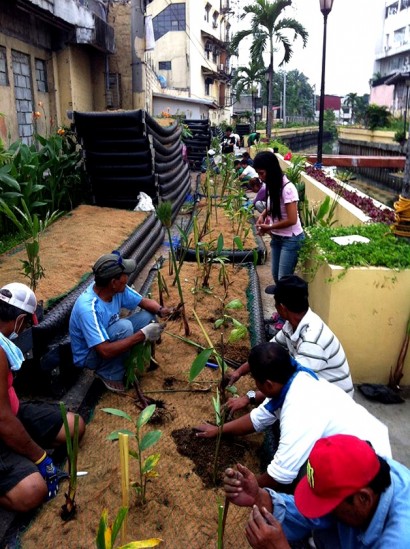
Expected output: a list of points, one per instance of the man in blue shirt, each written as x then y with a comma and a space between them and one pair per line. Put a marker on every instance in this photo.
350, 498
100, 339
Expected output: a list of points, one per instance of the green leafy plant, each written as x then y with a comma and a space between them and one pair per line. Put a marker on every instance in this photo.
239, 331
382, 250
400, 137
107, 534
29, 224
164, 214
222, 514
146, 466
345, 175
220, 414
322, 214
68, 510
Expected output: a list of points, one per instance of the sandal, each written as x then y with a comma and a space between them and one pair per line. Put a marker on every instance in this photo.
111, 385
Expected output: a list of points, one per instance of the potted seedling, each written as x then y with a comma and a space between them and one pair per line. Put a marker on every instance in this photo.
146, 466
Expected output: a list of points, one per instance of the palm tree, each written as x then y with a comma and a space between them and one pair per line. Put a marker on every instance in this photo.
266, 29
244, 81
351, 100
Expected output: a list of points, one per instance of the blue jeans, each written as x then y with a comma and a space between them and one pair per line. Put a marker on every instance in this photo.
284, 251
113, 368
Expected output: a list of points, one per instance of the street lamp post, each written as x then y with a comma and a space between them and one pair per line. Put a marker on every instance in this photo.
325, 8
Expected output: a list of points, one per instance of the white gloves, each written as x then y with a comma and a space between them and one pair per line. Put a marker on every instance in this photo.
152, 331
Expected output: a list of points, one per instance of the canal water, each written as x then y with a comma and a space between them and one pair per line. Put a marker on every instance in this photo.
372, 188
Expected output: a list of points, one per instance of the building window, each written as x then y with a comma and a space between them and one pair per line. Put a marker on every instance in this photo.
392, 9
207, 11
400, 36
215, 19
114, 91
4, 79
172, 18
404, 4
41, 75
164, 65
208, 84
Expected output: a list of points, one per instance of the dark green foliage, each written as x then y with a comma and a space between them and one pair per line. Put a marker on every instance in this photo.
377, 116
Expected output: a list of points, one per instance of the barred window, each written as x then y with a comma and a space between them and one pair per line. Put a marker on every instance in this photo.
41, 75
4, 79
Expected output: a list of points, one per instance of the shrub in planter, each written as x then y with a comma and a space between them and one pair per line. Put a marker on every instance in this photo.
383, 250
364, 203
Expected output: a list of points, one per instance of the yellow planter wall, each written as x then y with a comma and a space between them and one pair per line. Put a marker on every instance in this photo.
360, 134
368, 309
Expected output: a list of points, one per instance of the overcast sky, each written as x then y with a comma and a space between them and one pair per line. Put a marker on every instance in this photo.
353, 27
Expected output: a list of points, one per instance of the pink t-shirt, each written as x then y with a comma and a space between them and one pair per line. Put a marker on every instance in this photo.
289, 195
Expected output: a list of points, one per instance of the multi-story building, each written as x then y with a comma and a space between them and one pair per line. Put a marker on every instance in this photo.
190, 57
391, 78
53, 59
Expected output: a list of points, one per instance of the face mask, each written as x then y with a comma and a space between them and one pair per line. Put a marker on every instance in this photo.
14, 334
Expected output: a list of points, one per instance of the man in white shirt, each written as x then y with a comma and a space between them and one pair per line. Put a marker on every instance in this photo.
307, 338
248, 171
307, 408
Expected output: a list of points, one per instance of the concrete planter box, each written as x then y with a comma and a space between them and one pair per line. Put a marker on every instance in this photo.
368, 309
346, 214
367, 136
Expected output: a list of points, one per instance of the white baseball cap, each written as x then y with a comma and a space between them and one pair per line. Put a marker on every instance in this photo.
19, 295
211, 152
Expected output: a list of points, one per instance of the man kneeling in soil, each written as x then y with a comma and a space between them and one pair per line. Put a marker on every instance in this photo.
350, 498
27, 474
308, 409
100, 339
307, 338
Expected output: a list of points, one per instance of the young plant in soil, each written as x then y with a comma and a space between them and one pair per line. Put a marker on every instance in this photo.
107, 534
136, 363
164, 214
68, 510
239, 331
222, 514
146, 466
30, 224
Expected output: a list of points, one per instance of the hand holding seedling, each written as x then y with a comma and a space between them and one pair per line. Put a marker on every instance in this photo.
165, 312
231, 378
263, 531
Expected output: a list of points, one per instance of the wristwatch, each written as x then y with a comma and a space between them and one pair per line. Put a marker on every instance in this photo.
252, 397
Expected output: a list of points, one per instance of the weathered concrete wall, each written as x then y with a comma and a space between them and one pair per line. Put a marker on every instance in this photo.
368, 310
120, 61
75, 75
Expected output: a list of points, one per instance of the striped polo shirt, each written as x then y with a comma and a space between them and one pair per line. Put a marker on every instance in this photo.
315, 346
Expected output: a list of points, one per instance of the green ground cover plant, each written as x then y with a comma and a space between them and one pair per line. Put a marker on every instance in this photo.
383, 250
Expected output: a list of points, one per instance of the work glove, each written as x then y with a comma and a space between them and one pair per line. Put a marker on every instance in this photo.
48, 471
152, 331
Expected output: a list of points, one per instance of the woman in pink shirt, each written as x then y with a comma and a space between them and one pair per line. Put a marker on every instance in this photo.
280, 219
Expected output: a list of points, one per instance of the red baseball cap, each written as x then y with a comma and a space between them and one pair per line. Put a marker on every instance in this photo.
338, 466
